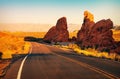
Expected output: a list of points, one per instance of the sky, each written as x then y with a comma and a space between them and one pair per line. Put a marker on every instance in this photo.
49, 11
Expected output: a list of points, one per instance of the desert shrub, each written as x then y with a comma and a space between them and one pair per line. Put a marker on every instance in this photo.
94, 53
96, 46
106, 50
83, 48
73, 46
29, 38
47, 41
1, 55
31, 34
12, 45
56, 43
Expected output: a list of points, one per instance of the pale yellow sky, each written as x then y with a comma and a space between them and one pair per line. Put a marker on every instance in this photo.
49, 11
50, 16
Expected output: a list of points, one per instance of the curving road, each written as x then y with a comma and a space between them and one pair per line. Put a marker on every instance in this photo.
47, 62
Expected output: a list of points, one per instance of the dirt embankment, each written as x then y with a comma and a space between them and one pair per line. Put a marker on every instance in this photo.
4, 64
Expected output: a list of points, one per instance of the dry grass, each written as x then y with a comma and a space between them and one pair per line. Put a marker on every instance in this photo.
94, 53
73, 34
13, 43
32, 34
116, 35
10, 44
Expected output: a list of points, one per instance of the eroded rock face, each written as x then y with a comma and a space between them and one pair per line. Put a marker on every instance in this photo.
88, 15
61, 24
50, 34
58, 33
96, 35
101, 35
88, 23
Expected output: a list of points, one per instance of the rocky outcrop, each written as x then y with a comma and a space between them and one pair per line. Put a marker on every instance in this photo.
96, 35
58, 33
101, 35
117, 49
84, 32
88, 15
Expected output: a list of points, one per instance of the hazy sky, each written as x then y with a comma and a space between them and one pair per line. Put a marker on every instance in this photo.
48, 11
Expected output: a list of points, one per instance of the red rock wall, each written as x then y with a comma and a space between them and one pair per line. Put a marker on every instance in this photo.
96, 35
58, 33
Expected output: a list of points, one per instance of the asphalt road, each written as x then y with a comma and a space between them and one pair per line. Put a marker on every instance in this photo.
47, 62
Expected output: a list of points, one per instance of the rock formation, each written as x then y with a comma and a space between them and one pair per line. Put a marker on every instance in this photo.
117, 49
96, 35
58, 33
88, 23
101, 35
88, 15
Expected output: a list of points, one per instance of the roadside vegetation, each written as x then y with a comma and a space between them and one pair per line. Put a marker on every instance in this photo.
10, 44
92, 51
116, 35
31, 34
73, 34
13, 43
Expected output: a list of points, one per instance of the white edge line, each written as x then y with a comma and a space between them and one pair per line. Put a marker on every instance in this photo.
22, 63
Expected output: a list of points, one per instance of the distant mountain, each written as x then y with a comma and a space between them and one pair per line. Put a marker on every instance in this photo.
24, 27
117, 27
73, 27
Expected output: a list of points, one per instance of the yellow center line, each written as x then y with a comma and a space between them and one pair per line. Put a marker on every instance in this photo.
89, 67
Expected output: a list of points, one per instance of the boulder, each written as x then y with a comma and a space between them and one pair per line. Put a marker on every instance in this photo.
58, 33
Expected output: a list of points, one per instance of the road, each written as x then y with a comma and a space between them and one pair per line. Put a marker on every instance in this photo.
48, 62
